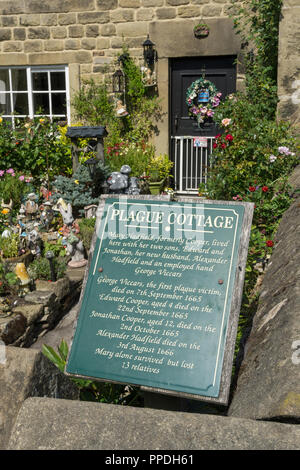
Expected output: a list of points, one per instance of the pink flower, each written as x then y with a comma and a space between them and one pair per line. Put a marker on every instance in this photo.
2, 172
21, 178
10, 171
226, 122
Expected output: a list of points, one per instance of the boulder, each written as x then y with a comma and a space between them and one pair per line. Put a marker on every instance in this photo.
27, 373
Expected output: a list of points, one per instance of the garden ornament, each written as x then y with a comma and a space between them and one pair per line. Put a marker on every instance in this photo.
75, 249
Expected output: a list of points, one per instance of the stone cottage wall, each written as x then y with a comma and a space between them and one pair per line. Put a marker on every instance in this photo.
289, 62
88, 32
88, 35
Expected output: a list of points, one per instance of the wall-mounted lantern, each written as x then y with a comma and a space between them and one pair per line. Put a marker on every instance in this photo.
118, 82
150, 58
150, 54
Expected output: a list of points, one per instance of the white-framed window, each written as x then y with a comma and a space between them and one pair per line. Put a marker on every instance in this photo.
34, 91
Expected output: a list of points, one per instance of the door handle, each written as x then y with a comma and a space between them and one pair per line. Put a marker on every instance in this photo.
176, 121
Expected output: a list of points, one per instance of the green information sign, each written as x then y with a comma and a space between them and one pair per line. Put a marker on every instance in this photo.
162, 292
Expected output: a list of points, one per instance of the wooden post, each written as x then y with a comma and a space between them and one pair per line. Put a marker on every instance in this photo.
74, 153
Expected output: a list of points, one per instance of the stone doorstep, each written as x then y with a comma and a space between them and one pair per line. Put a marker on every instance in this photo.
51, 424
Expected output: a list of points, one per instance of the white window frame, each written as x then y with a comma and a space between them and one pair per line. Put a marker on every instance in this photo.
30, 92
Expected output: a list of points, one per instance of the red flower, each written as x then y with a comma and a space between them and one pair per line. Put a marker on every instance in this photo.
215, 145
252, 189
217, 136
265, 189
269, 243
229, 138
223, 146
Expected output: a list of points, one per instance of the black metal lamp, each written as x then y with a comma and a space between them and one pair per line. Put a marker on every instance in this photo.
92, 163
150, 54
118, 81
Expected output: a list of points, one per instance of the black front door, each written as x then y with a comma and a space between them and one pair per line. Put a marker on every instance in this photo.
190, 162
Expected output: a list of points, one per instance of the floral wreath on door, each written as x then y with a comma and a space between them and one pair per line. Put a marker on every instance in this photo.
202, 98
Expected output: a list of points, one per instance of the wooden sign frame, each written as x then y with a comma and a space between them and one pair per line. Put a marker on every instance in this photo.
236, 297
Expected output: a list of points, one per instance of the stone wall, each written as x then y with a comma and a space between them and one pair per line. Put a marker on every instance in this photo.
40, 310
88, 36
88, 32
289, 62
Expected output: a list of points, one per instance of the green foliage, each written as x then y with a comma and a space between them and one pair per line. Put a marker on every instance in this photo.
9, 246
257, 21
159, 167
95, 105
14, 186
255, 153
9, 281
101, 392
135, 154
58, 248
34, 148
81, 190
40, 268
87, 228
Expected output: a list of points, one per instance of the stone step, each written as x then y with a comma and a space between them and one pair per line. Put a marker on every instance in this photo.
49, 424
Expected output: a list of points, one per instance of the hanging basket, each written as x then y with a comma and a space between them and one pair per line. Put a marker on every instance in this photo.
201, 30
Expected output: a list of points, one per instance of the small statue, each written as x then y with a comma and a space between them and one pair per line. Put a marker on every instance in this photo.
34, 241
76, 249
121, 109
31, 207
47, 214
119, 182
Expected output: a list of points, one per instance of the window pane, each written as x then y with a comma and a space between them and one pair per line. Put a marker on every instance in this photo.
4, 80
41, 103
58, 81
19, 79
40, 81
58, 103
5, 107
20, 101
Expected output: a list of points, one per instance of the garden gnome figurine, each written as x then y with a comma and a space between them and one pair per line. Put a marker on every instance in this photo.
75, 248
121, 109
23, 276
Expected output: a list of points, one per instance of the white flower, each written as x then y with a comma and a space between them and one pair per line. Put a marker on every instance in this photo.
272, 158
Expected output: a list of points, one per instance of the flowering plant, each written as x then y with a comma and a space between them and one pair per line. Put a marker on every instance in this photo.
13, 186
159, 168
199, 109
201, 30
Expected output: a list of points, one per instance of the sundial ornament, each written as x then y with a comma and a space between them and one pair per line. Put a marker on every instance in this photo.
202, 98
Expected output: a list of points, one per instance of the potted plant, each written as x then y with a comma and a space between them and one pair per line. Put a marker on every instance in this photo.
201, 30
158, 172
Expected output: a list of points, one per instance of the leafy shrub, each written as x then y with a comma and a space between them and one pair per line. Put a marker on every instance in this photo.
40, 268
34, 148
9, 281
9, 246
81, 190
102, 392
87, 228
135, 154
